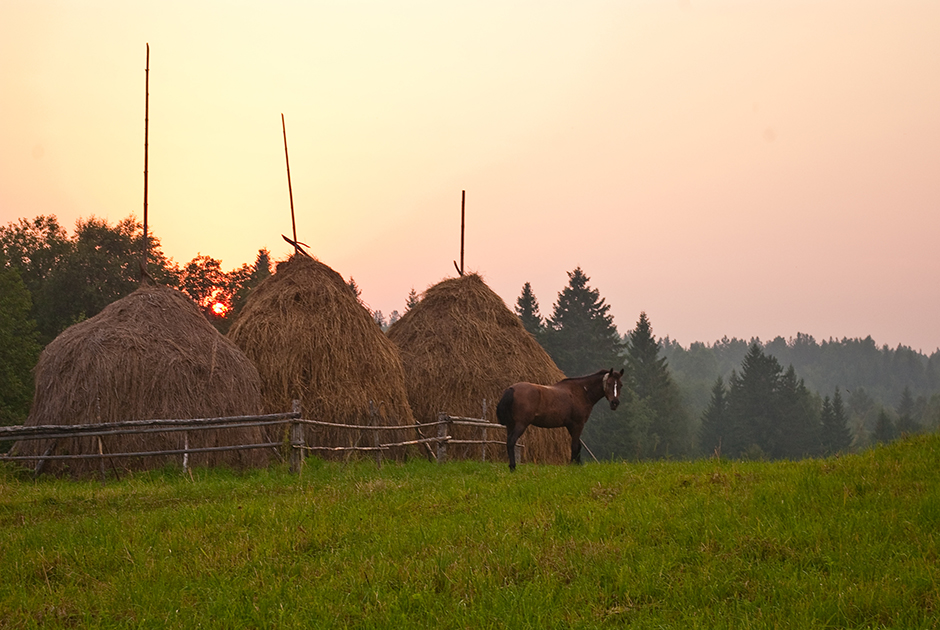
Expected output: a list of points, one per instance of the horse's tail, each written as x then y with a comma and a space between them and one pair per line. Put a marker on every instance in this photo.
504, 408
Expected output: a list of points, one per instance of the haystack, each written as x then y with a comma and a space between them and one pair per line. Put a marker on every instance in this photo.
460, 345
312, 340
149, 355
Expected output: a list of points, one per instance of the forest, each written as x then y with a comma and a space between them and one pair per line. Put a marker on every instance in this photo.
781, 399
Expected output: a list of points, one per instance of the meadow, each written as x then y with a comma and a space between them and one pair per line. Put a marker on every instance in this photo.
849, 542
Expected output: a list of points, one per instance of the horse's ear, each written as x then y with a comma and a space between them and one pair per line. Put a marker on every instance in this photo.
621, 371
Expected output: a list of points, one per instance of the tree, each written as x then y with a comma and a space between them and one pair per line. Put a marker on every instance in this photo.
752, 399
714, 420
19, 346
527, 308
203, 280
246, 279
221, 295
393, 317
580, 335
836, 436
907, 425
71, 279
885, 430
355, 288
412, 300
670, 429
797, 418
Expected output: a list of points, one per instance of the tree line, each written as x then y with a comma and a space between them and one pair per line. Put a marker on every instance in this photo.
73, 277
50, 280
732, 397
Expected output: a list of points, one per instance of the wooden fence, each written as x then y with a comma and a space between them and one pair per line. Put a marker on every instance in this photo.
297, 443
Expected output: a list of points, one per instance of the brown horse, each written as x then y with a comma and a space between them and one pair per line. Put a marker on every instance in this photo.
567, 403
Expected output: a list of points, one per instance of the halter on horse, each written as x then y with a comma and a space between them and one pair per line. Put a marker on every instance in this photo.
567, 403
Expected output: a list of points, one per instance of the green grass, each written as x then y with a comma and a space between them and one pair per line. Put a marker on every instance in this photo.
839, 543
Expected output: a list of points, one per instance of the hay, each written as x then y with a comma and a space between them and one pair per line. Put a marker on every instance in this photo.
149, 355
461, 344
312, 340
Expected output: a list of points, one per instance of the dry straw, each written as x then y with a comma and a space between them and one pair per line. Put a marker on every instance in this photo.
149, 355
312, 340
460, 345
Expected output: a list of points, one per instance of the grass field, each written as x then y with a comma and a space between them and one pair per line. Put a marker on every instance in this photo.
840, 543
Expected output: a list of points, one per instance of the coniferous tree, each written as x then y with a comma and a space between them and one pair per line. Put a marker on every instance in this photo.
826, 420
836, 436
752, 404
670, 429
243, 281
907, 425
580, 335
412, 300
885, 431
714, 420
357, 292
798, 433
527, 308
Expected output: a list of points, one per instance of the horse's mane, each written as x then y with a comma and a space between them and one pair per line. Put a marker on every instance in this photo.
586, 376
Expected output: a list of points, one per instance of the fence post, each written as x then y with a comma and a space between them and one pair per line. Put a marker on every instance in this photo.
296, 440
185, 451
441, 434
101, 454
484, 430
376, 441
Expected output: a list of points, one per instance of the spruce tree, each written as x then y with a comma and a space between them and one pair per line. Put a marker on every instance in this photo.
527, 308
670, 428
356, 291
827, 420
836, 436
885, 431
256, 274
714, 420
412, 300
907, 425
752, 404
797, 430
647, 369
580, 335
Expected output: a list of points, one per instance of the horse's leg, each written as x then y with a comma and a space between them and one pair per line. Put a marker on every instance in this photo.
575, 432
513, 433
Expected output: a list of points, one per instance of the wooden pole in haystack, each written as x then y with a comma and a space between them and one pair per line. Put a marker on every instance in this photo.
463, 202
143, 263
290, 191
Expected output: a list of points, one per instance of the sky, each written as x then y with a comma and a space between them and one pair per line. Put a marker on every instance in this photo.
733, 168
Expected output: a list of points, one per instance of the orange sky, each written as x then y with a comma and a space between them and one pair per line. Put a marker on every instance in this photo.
732, 168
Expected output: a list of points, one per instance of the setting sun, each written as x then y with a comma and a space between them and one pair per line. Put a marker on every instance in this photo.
219, 309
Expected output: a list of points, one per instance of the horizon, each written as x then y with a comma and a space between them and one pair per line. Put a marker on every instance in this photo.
729, 169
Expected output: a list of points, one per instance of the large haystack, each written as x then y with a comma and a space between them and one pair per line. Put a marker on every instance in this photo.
312, 340
461, 344
149, 355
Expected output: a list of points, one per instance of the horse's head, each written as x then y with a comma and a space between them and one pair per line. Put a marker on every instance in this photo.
612, 387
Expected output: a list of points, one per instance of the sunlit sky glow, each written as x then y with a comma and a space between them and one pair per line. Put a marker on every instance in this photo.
734, 168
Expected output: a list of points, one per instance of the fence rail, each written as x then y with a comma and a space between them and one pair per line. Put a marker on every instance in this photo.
297, 443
